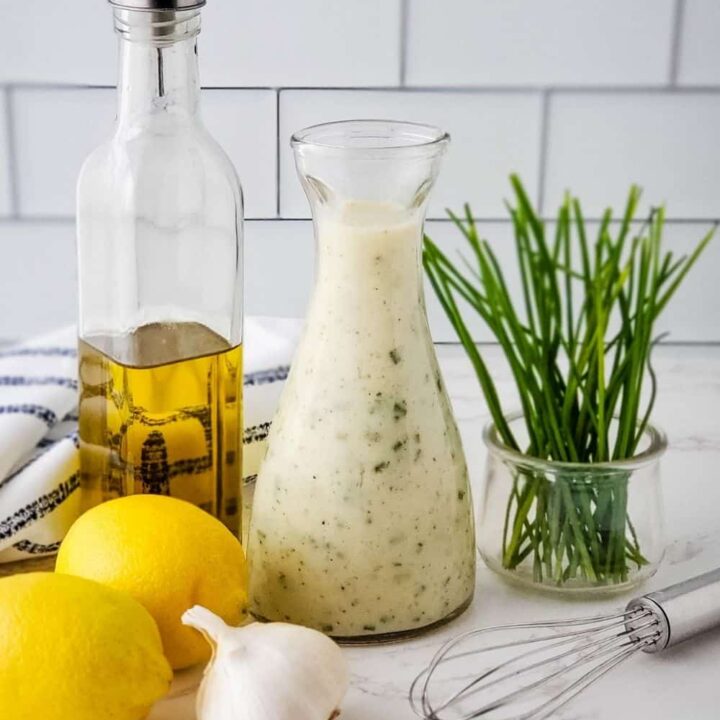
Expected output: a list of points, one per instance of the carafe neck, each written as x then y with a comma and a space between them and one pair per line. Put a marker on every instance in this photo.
158, 74
369, 261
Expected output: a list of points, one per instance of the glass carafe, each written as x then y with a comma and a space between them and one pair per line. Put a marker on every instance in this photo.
362, 520
159, 225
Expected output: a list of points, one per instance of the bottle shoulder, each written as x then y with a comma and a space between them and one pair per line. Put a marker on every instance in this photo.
135, 157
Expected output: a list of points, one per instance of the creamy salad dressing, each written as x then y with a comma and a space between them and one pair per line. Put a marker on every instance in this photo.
362, 517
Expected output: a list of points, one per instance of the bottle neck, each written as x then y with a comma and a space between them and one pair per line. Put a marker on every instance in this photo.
158, 75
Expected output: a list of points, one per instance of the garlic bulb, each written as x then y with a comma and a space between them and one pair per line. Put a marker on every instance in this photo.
272, 671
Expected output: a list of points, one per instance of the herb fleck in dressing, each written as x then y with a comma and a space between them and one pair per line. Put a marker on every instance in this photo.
362, 517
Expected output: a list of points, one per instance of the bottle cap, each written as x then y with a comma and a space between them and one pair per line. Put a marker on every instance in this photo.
157, 5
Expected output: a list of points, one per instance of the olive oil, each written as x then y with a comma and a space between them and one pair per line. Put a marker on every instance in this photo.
161, 412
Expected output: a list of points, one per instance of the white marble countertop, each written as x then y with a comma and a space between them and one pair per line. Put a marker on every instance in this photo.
681, 683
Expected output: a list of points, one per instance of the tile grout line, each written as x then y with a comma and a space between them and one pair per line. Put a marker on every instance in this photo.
544, 142
676, 42
404, 14
708, 89
12, 163
21, 219
277, 153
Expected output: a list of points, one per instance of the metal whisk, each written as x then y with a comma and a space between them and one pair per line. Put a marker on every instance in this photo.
538, 667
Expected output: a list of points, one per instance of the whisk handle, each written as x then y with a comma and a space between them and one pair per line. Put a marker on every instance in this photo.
684, 610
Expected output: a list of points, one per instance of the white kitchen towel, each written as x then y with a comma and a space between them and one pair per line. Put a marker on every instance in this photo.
39, 469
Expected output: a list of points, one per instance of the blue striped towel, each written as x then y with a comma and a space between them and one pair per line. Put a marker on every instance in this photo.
39, 469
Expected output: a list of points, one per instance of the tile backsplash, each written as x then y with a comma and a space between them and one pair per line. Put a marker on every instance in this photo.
584, 94
699, 51
667, 143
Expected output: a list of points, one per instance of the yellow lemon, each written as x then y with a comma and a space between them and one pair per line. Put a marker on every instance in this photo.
169, 555
71, 649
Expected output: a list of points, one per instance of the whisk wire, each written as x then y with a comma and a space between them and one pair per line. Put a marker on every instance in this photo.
442, 654
598, 648
628, 649
588, 645
545, 680
563, 640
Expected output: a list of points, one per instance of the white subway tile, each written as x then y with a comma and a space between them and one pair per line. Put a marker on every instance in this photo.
693, 314
290, 43
244, 122
57, 128
525, 42
699, 62
60, 42
5, 179
601, 143
493, 134
37, 277
279, 267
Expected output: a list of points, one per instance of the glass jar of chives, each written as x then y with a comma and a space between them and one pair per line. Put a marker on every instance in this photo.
579, 528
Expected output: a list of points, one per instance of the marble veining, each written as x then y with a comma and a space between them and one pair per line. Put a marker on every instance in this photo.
681, 683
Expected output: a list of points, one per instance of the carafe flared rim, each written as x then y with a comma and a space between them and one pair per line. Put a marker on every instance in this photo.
358, 136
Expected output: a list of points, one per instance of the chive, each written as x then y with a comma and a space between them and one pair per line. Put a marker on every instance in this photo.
578, 376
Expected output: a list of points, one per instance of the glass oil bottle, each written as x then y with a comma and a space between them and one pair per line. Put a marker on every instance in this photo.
159, 226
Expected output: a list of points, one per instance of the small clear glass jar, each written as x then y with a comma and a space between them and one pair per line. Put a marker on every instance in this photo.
575, 528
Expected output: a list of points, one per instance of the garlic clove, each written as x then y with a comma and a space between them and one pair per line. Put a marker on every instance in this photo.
272, 671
